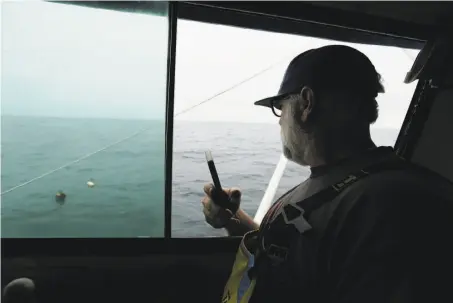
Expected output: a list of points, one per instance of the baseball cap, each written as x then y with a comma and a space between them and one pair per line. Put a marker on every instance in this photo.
329, 67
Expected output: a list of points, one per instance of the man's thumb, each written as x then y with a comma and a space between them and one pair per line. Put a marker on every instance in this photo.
235, 194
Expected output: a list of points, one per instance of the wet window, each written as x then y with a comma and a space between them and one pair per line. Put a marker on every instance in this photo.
82, 121
220, 72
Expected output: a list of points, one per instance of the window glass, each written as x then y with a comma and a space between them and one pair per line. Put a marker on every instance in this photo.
82, 121
228, 63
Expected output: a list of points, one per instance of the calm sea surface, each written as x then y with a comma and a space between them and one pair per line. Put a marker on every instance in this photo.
128, 197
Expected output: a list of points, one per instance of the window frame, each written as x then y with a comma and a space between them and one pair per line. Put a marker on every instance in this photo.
169, 121
304, 19
123, 247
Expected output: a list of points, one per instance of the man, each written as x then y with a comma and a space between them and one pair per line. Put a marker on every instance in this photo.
366, 226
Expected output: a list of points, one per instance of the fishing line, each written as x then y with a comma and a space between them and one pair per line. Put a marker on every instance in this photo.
72, 162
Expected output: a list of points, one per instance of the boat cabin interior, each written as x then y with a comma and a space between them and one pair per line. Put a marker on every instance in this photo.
170, 269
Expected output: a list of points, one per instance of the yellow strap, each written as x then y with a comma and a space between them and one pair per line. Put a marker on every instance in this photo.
249, 292
240, 268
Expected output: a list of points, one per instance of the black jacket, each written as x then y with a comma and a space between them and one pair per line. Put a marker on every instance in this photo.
385, 238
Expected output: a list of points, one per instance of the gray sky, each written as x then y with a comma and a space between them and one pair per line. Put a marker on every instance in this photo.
68, 61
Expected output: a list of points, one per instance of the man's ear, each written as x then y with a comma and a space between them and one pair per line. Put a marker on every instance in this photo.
308, 102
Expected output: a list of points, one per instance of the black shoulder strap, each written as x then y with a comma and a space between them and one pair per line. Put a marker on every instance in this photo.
279, 200
315, 201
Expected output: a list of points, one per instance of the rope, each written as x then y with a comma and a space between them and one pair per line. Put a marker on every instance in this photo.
231, 87
71, 163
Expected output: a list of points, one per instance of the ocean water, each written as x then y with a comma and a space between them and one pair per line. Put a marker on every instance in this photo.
128, 197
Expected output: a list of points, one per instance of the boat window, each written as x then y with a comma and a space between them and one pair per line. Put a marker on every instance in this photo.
82, 121
220, 71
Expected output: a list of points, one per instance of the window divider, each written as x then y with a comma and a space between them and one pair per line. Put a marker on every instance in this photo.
171, 64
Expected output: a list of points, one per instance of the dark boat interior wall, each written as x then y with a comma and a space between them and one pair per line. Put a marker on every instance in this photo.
154, 278
434, 148
430, 13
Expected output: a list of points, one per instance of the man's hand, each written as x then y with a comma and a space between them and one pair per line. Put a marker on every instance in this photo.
216, 216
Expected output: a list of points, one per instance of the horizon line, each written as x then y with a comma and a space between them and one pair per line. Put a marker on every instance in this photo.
159, 120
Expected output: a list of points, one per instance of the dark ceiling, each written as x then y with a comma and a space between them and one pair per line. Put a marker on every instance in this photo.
401, 24
433, 13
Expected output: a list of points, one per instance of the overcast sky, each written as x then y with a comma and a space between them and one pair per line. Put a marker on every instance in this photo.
68, 61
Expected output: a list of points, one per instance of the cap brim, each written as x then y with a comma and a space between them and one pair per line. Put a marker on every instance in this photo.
268, 101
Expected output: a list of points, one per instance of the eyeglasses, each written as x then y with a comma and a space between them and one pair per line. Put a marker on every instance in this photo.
276, 105
276, 108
